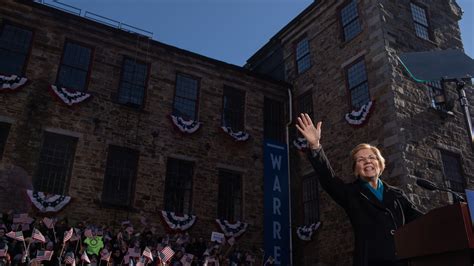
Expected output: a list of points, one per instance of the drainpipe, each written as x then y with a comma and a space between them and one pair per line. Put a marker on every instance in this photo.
290, 121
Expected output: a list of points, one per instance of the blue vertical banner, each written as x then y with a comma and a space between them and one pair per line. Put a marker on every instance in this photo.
276, 209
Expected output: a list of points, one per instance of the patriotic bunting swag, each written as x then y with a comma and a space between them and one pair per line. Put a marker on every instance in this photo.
306, 232
70, 97
357, 118
300, 143
185, 126
178, 223
238, 136
50, 203
232, 230
11, 83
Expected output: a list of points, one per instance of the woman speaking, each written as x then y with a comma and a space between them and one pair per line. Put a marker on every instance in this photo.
375, 209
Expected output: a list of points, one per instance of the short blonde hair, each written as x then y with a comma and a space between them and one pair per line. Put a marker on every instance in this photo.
374, 149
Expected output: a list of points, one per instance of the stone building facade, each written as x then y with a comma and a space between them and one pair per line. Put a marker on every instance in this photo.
117, 154
341, 55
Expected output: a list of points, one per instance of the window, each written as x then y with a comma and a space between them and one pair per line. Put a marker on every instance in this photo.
310, 199
4, 129
452, 171
358, 85
120, 175
420, 20
305, 104
55, 163
437, 95
74, 68
302, 56
273, 127
15, 45
230, 196
233, 109
186, 97
350, 21
178, 186
133, 83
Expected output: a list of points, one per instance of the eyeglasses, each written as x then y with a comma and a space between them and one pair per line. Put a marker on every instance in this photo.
368, 159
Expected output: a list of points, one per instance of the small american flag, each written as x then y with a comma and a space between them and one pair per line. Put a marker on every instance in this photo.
48, 222
166, 254
187, 259
37, 235
3, 252
147, 253
67, 235
85, 258
44, 255
16, 235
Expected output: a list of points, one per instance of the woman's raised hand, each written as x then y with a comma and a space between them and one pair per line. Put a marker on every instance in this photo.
306, 127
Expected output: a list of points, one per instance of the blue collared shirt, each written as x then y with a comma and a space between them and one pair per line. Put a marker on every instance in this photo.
378, 192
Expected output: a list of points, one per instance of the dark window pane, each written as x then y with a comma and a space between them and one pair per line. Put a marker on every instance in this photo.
350, 20
132, 85
230, 196
4, 130
15, 44
420, 20
358, 85
274, 127
55, 164
419, 15
310, 199
120, 173
302, 55
178, 187
452, 171
233, 109
185, 100
74, 66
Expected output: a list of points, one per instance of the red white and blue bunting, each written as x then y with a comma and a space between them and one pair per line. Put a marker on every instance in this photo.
185, 126
238, 136
357, 118
232, 230
47, 203
69, 96
300, 143
306, 232
11, 83
178, 223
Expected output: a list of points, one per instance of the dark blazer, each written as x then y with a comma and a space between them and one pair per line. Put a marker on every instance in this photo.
374, 222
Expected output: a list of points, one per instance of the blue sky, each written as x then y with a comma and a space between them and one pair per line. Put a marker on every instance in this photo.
227, 30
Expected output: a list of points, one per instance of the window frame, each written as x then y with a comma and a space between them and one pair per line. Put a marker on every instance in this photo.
427, 17
191, 180
311, 178
341, 23
244, 96
145, 88
270, 127
119, 202
89, 67
67, 178
461, 171
5, 128
220, 177
30, 48
308, 54
198, 93
346, 76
